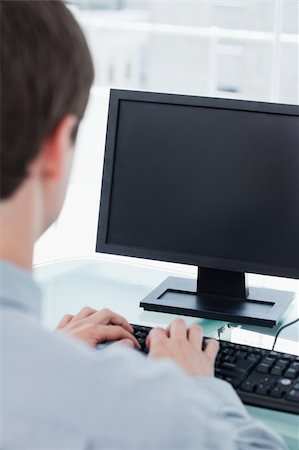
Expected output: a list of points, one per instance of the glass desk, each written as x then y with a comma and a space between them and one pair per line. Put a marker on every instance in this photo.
120, 286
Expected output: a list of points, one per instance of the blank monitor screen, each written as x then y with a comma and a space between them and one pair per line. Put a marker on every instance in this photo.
213, 184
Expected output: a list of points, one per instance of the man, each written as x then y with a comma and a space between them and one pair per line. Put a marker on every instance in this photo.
56, 392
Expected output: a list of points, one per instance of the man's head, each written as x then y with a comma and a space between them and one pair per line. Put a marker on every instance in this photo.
46, 74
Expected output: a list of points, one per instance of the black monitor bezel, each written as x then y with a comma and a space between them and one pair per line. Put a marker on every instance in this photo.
102, 246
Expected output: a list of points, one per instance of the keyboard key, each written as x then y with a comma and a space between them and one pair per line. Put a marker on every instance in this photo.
262, 389
233, 381
254, 357
277, 392
237, 346
282, 362
242, 367
268, 380
293, 396
244, 347
285, 381
291, 373
269, 360
289, 357
248, 386
275, 354
261, 351
295, 366
228, 365
277, 370
263, 368
228, 351
232, 359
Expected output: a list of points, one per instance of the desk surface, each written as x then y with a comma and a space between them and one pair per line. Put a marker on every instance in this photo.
100, 282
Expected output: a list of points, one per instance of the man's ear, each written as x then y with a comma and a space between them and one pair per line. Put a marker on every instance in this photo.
55, 147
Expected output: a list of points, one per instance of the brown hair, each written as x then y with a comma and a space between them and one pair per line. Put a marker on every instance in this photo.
46, 73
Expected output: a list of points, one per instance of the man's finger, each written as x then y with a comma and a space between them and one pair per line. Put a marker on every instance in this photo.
124, 342
195, 336
106, 317
85, 312
114, 333
178, 330
155, 336
211, 349
64, 321
121, 321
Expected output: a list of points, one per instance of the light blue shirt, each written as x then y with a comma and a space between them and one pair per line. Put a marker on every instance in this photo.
59, 394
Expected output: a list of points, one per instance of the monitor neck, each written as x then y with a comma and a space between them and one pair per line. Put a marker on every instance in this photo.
222, 282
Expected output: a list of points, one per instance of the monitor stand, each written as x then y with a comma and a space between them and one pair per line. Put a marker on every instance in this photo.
221, 295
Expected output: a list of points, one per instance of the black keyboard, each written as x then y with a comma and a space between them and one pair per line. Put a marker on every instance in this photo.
262, 378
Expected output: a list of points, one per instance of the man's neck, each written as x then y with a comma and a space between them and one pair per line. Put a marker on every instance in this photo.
19, 228
14, 251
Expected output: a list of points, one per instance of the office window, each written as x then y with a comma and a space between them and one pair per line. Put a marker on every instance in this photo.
245, 49
180, 46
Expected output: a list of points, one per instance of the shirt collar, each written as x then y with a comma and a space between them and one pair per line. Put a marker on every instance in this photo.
18, 290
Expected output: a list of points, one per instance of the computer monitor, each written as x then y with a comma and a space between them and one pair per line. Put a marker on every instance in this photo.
207, 182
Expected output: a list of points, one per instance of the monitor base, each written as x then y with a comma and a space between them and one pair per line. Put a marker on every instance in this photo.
262, 306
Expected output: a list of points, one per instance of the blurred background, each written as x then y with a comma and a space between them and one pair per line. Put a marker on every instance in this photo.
237, 48
244, 49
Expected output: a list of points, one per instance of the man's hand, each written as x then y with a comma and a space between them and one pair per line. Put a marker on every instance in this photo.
94, 327
184, 345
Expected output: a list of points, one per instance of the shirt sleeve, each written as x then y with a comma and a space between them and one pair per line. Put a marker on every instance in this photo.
246, 433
